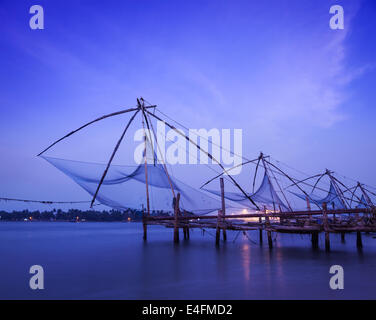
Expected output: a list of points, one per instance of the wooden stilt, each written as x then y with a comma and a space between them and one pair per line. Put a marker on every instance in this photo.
269, 233
144, 223
260, 230
315, 240
326, 226
359, 243
223, 211
270, 240
186, 229
327, 242
343, 237
176, 221
218, 230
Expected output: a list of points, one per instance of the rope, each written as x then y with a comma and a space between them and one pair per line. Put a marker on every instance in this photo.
44, 201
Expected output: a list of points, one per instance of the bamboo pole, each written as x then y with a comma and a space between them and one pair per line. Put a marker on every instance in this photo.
209, 155
228, 170
146, 170
89, 123
112, 157
163, 160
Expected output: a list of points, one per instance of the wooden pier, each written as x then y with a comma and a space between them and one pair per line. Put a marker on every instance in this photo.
311, 222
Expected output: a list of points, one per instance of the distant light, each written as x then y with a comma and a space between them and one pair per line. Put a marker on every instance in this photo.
244, 211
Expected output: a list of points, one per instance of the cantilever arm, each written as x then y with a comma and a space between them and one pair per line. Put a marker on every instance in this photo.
300, 181
254, 177
292, 180
112, 157
89, 123
209, 155
221, 174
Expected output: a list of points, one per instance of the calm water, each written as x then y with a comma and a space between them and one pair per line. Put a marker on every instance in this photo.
110, 261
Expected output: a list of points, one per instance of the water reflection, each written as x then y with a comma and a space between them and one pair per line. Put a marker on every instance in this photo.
110, 261
246, 261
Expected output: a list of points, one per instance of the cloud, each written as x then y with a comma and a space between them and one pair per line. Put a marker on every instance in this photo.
307, 80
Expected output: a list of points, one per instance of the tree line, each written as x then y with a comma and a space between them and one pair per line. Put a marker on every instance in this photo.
76, 215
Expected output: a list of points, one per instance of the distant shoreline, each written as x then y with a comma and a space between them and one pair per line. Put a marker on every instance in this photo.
75, 215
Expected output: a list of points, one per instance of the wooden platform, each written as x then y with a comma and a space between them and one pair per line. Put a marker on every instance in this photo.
298, 222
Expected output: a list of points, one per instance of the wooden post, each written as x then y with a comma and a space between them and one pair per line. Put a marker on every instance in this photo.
269, 233
260, 230
326, 226
223, 212
176, 221
270, 240
308, 204
186, 229
359, 243
315, 240
144, 223
218, 229
343, 237
224, 234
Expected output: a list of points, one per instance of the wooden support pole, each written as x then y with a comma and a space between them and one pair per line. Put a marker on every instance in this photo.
327, 241
186, 229
269, 233
188, 236
343, 237
176, 221
326, 226
223, 211
144, 223
315, 240
260, 230
359, 243
218, 229
270, 240
224, 234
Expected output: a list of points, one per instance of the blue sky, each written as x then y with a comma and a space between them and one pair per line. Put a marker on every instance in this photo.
300, 91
